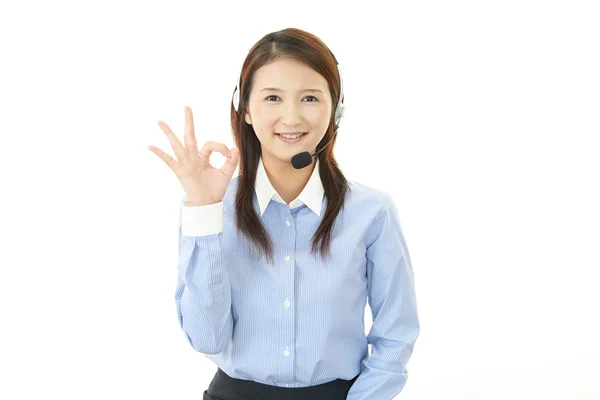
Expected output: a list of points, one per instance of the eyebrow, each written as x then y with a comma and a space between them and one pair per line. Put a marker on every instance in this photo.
280, 90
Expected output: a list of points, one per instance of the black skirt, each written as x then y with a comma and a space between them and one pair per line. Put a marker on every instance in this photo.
224, 387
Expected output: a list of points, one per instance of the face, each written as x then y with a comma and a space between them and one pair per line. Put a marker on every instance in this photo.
288, 97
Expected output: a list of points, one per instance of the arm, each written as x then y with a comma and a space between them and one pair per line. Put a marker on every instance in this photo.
203, 291
393, 305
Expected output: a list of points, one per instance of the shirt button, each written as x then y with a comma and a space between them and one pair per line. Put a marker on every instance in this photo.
286, 352
287, 222
287, 258
286, 303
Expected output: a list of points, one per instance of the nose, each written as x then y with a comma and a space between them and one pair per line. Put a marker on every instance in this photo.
292, 115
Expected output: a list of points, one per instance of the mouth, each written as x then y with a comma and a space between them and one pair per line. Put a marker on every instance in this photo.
291, 137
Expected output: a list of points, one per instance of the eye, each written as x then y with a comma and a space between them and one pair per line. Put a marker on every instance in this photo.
314, 99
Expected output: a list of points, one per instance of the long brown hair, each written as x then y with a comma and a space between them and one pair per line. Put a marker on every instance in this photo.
310, 50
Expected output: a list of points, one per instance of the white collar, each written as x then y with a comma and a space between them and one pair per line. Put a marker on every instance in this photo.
311, 195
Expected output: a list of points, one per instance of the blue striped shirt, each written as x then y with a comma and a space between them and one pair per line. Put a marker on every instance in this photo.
300, 322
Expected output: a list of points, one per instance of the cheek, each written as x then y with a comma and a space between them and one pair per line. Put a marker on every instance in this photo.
324, 111
264, 118
320, 117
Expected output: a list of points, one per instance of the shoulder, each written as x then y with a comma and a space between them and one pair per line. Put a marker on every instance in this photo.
375, 205
232, 188
365, 197
230, 193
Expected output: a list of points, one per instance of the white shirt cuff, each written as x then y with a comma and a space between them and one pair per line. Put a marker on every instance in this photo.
201, 220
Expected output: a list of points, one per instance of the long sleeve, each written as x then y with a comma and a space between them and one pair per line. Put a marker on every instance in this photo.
392, 300
203, 290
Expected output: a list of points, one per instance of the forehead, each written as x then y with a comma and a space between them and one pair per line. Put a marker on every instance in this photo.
288, 73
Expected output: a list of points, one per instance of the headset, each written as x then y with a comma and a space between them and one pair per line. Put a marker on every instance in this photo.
303, 159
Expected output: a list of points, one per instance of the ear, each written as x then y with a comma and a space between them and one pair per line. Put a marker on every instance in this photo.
247, 118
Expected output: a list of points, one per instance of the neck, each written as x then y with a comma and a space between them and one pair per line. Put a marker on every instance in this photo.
287, 180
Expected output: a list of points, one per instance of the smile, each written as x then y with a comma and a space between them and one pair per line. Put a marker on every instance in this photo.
291, 138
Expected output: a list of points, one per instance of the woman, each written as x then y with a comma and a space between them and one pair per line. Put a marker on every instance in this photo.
275, 265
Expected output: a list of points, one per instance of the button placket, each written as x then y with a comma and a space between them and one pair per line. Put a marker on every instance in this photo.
288, 248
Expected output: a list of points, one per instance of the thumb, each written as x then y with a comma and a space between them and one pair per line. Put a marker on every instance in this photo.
232, 162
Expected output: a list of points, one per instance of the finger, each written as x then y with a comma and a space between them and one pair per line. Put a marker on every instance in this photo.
190, 134
175, 143
231, 163
209, 147
170, 161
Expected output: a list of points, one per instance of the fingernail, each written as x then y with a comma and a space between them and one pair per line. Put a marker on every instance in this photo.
228, 154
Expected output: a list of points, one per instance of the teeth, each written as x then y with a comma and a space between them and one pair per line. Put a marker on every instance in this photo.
292, 136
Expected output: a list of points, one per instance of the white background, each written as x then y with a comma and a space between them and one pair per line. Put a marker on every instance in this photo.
480, 118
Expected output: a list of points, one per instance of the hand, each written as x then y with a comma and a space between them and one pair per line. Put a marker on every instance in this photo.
202, 183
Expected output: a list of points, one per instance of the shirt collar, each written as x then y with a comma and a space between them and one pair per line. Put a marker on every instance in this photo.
311, 195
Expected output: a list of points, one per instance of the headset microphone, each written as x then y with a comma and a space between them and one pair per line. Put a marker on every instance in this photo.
304, 159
